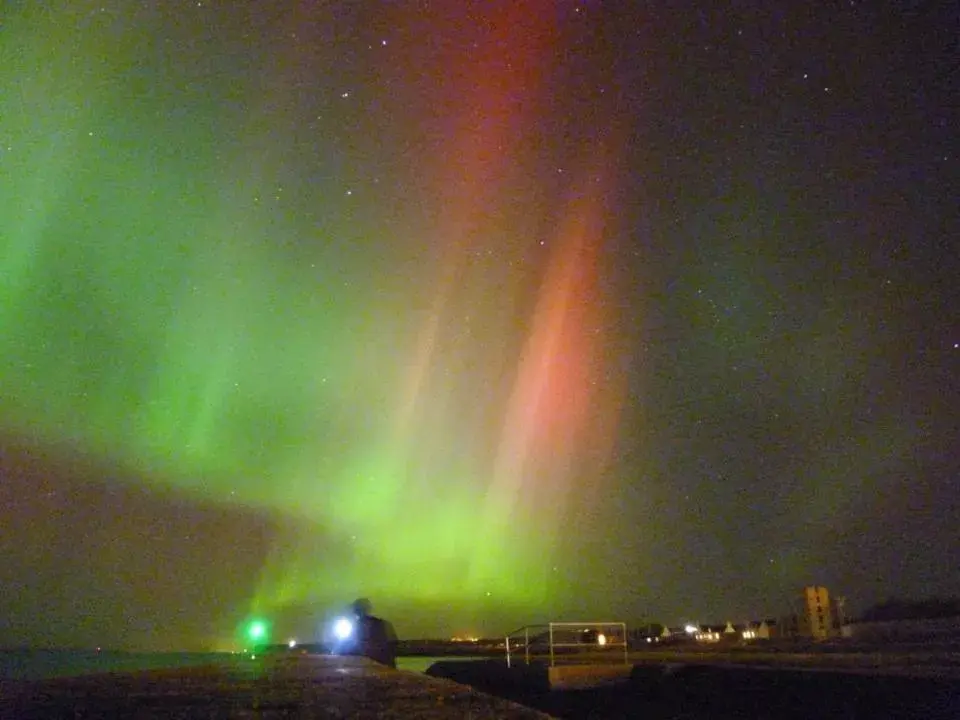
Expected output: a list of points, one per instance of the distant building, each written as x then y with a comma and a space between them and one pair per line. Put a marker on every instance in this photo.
765, 629
675, 633
818, 613
709, 633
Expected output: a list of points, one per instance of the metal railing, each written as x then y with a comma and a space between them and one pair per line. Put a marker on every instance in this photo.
571, 641
532, 636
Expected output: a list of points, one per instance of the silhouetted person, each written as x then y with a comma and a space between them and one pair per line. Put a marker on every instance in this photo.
376, 638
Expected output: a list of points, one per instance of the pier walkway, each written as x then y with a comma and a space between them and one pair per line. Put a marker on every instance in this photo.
304, 686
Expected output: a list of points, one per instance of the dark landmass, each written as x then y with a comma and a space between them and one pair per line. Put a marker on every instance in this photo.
898, 609
438, 648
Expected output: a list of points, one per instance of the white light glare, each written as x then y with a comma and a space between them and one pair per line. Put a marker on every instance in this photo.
343, 628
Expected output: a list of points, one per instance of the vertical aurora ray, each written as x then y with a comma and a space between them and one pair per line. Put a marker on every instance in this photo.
437, 451
197, 308
549, 403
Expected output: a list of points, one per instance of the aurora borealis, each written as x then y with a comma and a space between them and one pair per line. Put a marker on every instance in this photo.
491, 312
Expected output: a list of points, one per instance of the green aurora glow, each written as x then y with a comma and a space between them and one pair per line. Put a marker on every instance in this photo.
489, 312
172, 303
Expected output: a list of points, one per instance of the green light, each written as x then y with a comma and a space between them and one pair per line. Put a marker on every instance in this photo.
257, 631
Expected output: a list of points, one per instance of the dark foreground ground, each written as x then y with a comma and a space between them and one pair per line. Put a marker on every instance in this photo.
717, 692
292, 687
326, 687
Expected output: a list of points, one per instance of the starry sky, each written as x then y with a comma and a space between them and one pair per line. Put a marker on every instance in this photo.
492, 312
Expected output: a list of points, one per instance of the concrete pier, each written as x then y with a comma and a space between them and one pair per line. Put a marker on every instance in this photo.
495, 676
577, 677
302, 686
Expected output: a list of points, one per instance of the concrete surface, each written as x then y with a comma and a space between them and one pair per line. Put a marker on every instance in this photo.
290, 687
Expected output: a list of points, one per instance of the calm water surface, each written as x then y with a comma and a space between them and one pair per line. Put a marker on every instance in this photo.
39, 664
420, 664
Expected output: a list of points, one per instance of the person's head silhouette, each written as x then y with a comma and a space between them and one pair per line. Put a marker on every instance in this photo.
361, 607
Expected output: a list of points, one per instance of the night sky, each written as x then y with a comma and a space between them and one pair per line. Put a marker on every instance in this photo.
494, 312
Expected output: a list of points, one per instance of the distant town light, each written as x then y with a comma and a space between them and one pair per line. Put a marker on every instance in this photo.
601, 639
292, 644
691, 629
